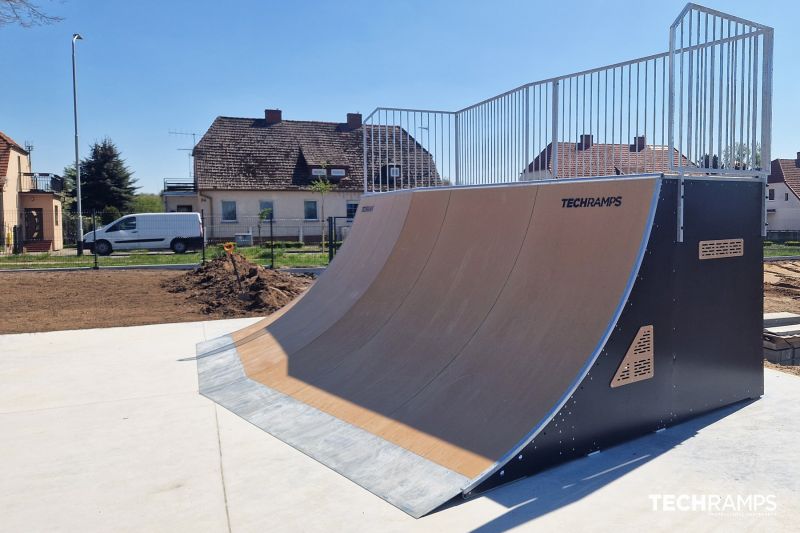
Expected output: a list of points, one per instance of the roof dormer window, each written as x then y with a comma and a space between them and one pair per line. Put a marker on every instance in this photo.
338, 172
319, 172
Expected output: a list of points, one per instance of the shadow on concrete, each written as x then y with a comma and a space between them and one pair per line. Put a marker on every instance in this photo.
536, 496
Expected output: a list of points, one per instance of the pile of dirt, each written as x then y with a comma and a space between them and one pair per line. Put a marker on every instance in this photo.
215, 288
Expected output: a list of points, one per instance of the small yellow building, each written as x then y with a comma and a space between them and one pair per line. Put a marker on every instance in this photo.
30, 207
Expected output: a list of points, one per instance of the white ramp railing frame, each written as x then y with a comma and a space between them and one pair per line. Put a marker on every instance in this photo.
704, 107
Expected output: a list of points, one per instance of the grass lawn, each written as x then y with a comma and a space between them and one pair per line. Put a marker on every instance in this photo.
779, 250
284, 258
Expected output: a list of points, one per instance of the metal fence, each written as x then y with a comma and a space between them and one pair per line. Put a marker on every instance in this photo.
703, 107
33, 239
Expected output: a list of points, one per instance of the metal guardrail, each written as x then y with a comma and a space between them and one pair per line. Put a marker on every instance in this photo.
179, 186
41, 182
703, 107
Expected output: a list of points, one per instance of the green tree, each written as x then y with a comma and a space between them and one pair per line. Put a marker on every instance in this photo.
68, 194
323, 187
109, 214
105, 180
147, 203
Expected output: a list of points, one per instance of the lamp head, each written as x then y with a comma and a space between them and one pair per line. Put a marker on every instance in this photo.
76, 37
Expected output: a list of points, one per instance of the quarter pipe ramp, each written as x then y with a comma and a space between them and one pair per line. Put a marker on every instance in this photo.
468, 336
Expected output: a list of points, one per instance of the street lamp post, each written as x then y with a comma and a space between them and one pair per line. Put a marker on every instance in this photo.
75, 37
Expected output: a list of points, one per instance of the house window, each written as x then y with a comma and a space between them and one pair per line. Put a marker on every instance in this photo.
352, 209
338, 173
772, 194
228, 211
184, 208
786, 197
55, 214
267, 204
394, 172
319, 172
310, 210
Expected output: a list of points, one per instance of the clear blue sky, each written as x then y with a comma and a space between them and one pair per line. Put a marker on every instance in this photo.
147, 67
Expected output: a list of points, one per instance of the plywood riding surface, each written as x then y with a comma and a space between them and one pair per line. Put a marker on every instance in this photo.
453, 321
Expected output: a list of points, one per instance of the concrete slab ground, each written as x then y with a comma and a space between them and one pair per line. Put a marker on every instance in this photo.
103, 430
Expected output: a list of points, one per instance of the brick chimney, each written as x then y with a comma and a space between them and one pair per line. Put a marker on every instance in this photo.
639, 143
353, 121
586, 142
273, 116
797, 161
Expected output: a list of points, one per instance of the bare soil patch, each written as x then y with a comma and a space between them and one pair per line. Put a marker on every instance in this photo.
782, 287
51, 301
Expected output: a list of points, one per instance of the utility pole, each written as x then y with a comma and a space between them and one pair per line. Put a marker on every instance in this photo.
77, 37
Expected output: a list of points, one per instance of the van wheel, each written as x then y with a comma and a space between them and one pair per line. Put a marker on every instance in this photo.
178, 246
103, 248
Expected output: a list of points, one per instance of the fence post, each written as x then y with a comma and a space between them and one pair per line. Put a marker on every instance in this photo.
94, 239
271, 244
203, 231
331, 238
16, 242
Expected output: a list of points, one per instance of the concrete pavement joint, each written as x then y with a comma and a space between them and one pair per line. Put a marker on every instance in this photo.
222, 470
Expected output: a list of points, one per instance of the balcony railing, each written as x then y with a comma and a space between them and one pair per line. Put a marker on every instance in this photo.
179, 186
37, 182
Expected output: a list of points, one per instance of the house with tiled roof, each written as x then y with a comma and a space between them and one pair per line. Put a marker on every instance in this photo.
586, 158
245, 165
30, 205
783, 195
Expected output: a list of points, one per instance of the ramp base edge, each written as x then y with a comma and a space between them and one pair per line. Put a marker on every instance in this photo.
411, 483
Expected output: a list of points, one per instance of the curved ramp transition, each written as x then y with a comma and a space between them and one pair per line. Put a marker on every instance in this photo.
451, 327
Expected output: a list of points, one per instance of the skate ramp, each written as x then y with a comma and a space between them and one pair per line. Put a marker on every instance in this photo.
450, 328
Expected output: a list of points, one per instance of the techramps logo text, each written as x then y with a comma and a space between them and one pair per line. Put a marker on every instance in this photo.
600, 201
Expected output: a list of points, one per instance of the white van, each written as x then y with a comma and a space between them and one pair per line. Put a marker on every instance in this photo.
151, 231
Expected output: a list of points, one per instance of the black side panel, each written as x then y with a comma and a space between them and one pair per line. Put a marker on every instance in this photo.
706, 317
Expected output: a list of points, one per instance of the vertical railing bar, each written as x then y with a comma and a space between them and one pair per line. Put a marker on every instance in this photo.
754, 104
613, 116
711, 87
402, 161
720, 160
668, 154
766, 121
596, 139
671, 99
372, 149
605, 122
364, 155
690, 97
526, 125
741, 101
554, 126
591, 110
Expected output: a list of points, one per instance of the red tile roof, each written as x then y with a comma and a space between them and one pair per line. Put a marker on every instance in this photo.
786, 171
604, 160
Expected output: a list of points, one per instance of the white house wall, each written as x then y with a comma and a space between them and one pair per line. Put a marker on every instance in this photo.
288, 212
786, 214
